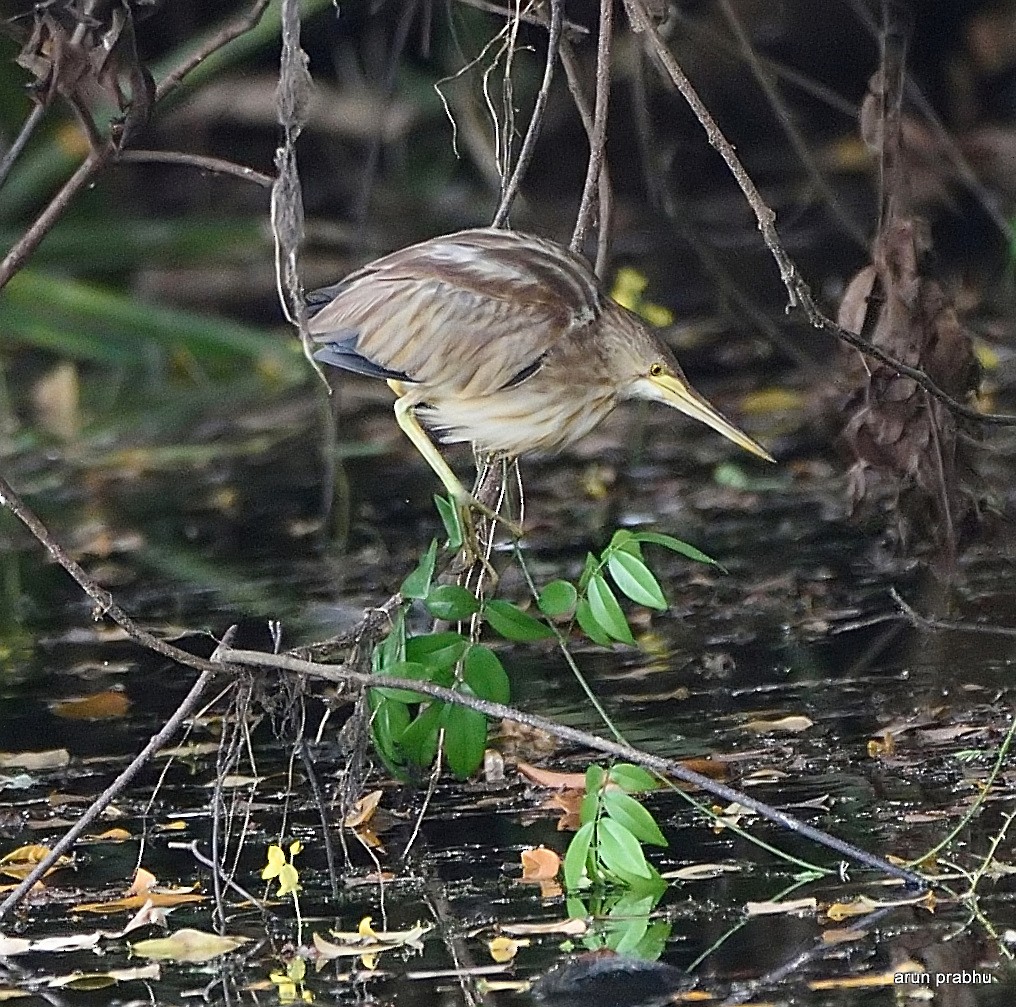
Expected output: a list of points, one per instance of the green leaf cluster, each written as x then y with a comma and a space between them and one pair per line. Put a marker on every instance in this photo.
594, 603
607, 849
407, 726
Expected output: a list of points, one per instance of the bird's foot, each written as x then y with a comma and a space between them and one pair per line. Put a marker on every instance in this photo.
469, 503
474, 549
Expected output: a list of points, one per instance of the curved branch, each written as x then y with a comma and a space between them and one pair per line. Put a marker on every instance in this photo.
798, 291
199, 161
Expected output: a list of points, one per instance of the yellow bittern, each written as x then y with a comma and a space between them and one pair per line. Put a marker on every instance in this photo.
502, 340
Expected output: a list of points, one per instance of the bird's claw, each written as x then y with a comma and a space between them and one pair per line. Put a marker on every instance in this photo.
473, 549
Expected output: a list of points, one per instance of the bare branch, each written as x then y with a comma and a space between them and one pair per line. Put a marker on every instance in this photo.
498, 711
199, 161
99, 157
536, 120
212, 44
798, 292
27, 129
598, 137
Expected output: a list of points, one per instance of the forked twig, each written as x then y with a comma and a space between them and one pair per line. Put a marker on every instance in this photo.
99, 157
798, 291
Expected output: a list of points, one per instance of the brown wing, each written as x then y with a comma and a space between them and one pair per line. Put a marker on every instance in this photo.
469, 312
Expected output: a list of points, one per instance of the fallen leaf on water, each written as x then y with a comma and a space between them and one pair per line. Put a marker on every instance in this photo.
363, 810
864, 982
109, 705
842, 935
570, 927
168, 898
109, 836
144, 882
367, 941
540, 864
188, 945
21, 862
504, 949
790, 907
699, 872
552, 780
54, 758
862, 905
790, 725
100, 980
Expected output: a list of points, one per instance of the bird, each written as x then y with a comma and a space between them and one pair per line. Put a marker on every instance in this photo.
503, 340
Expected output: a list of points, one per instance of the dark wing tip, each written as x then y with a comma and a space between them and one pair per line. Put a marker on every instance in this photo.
339, 350
318, 299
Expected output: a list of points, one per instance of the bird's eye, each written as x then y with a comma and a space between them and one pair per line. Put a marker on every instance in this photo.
656, 371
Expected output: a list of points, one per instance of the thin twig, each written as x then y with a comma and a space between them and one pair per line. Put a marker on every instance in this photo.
114, 790
536, 120
99, 157
199, 161
574, 77
498, 711
570, 29
598, 138
212, 44
920, 621
790, 129
27, 129
798, 292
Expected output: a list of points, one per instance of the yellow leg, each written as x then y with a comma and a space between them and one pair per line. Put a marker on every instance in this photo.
410, 426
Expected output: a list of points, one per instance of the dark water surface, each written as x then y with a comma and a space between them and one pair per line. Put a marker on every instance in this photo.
802, 625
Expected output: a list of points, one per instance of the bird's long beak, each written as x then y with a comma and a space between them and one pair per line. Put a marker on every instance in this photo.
674, 392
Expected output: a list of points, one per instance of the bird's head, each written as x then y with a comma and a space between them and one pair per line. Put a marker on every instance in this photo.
646, 369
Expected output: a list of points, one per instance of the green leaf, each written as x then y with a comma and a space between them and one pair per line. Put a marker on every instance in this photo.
606, 611
451, 602
513, 624
558, 599
626, 811
417, 584
636, 580
653, 942
485, 674
594, 778
451, 520
393, 648
632, 779
592, 565
620, 851
676, 545
626, 542
419, 739
465, 739
439, 651
575, 857
589, 626
588, 807
388, 721
405, 669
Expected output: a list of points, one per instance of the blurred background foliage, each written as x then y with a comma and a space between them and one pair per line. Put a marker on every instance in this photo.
144, 336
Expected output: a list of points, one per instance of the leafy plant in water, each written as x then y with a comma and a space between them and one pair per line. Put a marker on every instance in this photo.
408, 727
607, 849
